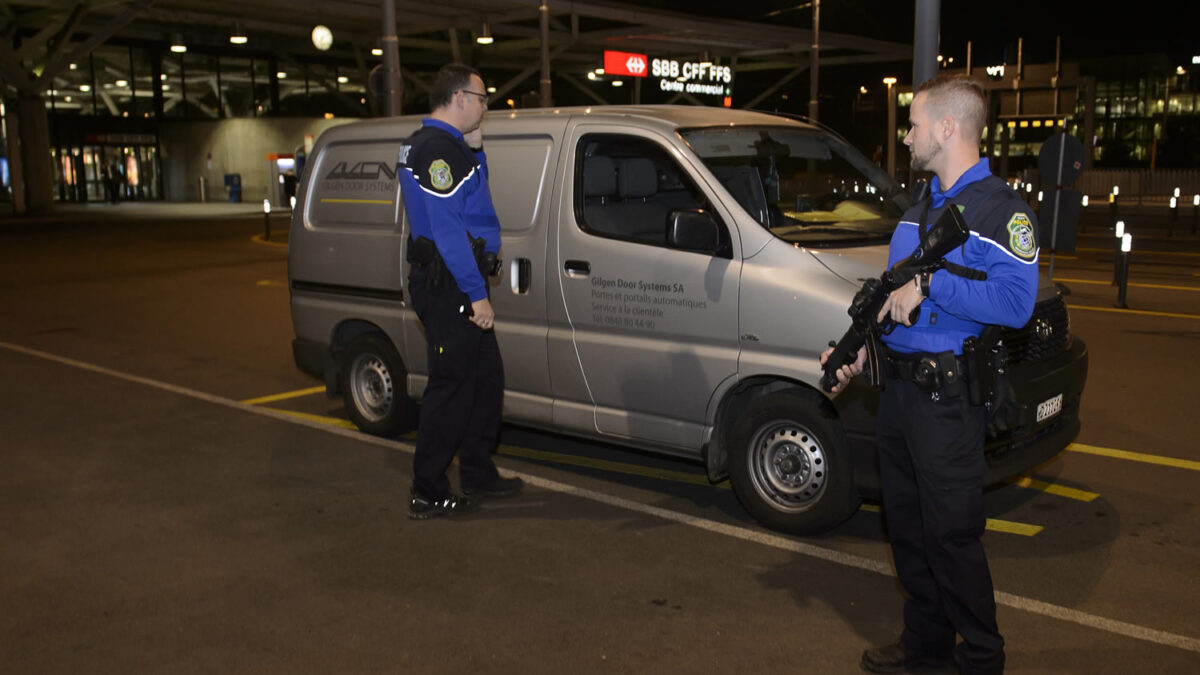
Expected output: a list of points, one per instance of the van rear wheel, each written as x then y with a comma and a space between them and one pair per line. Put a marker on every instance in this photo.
373, 378
790, 466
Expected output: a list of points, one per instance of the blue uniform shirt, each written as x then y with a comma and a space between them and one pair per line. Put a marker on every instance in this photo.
1003, 244
446, 196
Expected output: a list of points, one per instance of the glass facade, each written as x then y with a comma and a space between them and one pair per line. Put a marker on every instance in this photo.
104, 110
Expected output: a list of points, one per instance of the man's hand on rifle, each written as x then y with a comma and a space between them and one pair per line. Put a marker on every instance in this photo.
845, 373
901, 302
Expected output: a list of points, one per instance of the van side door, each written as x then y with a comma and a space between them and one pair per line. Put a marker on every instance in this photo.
654, 327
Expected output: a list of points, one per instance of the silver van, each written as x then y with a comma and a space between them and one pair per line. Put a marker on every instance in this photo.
670, 276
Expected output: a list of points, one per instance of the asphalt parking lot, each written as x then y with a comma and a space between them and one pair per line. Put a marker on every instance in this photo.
175, 496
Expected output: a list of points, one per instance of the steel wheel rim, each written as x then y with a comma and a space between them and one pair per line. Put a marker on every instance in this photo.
788, 466
371, 387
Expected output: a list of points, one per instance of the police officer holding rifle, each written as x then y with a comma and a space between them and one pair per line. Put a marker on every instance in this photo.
443, 175
931, 427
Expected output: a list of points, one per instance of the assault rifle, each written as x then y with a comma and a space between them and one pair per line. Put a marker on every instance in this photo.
948, 232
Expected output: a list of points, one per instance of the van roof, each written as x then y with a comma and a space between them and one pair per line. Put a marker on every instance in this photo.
669, 116
674, 115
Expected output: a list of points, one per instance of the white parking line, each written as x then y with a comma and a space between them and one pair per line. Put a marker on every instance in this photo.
780, 542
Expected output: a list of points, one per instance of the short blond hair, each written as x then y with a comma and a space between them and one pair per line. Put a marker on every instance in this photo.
959, 96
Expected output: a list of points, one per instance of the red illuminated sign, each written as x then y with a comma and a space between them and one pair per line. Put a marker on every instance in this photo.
626, 63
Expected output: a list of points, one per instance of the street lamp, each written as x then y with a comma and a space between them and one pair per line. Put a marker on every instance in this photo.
891, 126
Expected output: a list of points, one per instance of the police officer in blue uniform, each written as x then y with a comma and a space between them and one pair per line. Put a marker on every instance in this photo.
930, 437
455, 237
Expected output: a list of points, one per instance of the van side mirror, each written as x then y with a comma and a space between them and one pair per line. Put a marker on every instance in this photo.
693, 230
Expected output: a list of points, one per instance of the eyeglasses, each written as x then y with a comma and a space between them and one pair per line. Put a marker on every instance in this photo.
482, 97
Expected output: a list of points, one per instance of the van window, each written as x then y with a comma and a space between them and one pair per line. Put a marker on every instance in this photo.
354, 185
626, 188
804, 185
517, 168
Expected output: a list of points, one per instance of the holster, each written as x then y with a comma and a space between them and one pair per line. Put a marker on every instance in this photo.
423, 254
489, 264
986, 360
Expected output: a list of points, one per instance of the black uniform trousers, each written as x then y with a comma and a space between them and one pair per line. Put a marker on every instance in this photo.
460, 410
932, 468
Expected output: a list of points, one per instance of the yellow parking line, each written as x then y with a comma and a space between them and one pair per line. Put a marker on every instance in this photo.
1051, 488
258, 239
1183, 254
1141, 312
1006, 526
322, 419
1135, 456
1109, 283
607, 465
1010, 527
284, 396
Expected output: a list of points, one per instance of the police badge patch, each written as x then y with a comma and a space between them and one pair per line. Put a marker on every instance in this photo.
439, 175
1020, 236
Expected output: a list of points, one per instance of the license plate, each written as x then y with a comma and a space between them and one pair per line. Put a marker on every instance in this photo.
1049, 408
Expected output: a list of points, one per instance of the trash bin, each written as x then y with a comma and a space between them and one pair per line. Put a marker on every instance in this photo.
233, 183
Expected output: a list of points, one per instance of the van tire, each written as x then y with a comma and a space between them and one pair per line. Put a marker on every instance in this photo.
373, 387
790, 464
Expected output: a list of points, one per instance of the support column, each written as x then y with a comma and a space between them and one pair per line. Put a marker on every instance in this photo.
393, 86
544, 81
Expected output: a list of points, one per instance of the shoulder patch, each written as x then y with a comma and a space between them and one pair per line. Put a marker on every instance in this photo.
1020, 236
440, 176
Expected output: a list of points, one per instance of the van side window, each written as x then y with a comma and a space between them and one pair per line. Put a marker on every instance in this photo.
627, 187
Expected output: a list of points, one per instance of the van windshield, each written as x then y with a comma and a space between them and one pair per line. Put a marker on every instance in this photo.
805, 185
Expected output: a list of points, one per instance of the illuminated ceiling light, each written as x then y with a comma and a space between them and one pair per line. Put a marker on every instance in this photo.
1180, 71
599, 71
591, 75
322, 37
74, 66
862, 89
491, 90
485, 36
166, 87
377, 52
618, 83
238, 36
177, 45
342, 79
281, 75
162, 76
85, 88
122, 83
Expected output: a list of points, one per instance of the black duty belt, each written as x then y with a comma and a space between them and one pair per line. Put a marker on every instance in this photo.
943, 372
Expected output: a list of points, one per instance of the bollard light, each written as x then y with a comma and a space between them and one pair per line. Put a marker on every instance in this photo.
1028, 188
1085, 200
1116, 190
1127, 243
292, 201
1120, 228
1174, 201
1177, 192
1039, 196
1195, 200
266, 206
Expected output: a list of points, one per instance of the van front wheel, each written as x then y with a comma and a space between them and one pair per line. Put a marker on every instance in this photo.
373, 379
789, 464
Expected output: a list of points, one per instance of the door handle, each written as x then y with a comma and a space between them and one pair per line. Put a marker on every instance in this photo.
519, 275
577, 268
